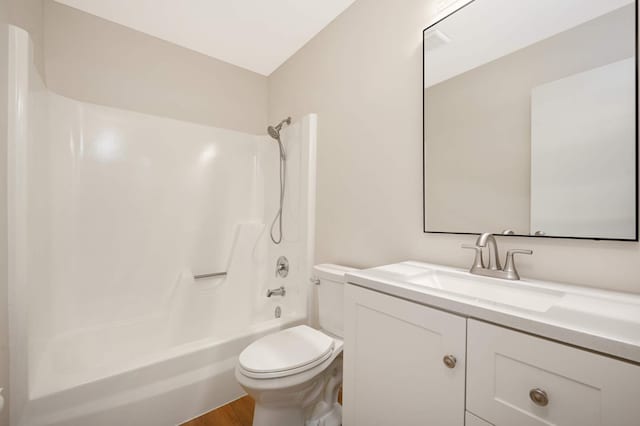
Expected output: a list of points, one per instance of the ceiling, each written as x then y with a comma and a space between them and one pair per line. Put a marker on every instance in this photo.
258, 35
489, 29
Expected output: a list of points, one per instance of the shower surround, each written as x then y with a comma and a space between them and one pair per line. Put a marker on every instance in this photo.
112, 215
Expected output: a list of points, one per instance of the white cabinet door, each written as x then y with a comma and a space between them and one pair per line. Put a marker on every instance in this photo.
394, 370
473, 420
517, 379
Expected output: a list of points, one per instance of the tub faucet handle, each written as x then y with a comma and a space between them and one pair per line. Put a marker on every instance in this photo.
282, 267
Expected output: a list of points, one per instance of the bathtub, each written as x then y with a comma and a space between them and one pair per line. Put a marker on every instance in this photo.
167, 387
113, 217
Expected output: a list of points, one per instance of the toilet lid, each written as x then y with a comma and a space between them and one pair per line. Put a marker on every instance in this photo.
287, 351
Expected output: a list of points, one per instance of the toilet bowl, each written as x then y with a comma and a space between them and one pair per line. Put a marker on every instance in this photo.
294, 375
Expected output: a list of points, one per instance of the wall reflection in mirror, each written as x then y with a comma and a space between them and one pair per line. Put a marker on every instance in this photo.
530, 119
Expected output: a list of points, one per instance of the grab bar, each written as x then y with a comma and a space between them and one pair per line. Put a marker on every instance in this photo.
234, 244
214, 274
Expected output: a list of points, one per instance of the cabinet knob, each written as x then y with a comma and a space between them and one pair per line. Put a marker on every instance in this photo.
539, 397
449, 361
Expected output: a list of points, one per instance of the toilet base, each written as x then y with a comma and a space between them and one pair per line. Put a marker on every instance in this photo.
289, 406
328, 412
270, 416
331, 418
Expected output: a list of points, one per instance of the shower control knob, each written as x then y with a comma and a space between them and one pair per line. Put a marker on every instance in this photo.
282, 267
450, 361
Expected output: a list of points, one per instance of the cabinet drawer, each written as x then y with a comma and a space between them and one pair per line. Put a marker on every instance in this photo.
517, 379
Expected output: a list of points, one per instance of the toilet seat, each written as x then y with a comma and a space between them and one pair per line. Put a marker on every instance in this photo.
286, 353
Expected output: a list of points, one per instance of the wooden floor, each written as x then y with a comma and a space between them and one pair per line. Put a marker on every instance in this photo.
237, 413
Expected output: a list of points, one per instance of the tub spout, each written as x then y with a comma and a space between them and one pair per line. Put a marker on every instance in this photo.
276, 292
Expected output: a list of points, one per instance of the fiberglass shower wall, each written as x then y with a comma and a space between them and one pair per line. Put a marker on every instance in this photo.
113, 213
138, 205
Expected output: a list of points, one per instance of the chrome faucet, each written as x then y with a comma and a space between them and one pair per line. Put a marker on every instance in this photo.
485, 239
494, 269
277, 292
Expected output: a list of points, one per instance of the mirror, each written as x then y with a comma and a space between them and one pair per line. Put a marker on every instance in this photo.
530, 121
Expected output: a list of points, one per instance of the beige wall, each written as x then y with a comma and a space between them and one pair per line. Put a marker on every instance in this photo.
4, 329
478, 126
362, 75
84, 57
94, 60
29, 15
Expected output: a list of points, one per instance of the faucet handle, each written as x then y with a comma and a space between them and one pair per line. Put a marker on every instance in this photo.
478, 262
510, 265
519, 251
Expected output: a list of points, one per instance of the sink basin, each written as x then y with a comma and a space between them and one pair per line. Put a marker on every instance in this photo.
599, 320
489, 290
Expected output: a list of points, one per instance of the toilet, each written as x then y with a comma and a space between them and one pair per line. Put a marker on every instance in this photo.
294, 375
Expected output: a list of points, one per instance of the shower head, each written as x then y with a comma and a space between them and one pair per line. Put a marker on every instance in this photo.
274, 131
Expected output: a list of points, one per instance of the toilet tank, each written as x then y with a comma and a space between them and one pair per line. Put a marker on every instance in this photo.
331, 297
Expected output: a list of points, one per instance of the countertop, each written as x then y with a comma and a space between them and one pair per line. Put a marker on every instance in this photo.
603, 321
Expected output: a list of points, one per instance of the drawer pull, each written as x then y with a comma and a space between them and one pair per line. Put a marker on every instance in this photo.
449, 361
539, 397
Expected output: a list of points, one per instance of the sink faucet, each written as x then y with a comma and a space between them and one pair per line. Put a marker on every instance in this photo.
494, 269
494, 264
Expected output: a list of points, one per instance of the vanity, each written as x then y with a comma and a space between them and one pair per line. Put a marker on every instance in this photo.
433, 345
530, 131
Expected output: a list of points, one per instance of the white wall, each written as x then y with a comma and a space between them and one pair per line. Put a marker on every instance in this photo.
4, 344
362, 75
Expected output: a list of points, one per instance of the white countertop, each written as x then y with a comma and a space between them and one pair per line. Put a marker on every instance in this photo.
597, 320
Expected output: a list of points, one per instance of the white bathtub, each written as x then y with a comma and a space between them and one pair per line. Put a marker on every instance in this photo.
111, 215
167, 387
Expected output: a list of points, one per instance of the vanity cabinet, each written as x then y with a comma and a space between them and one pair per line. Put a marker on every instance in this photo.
394, 362
404, 363
517, 379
